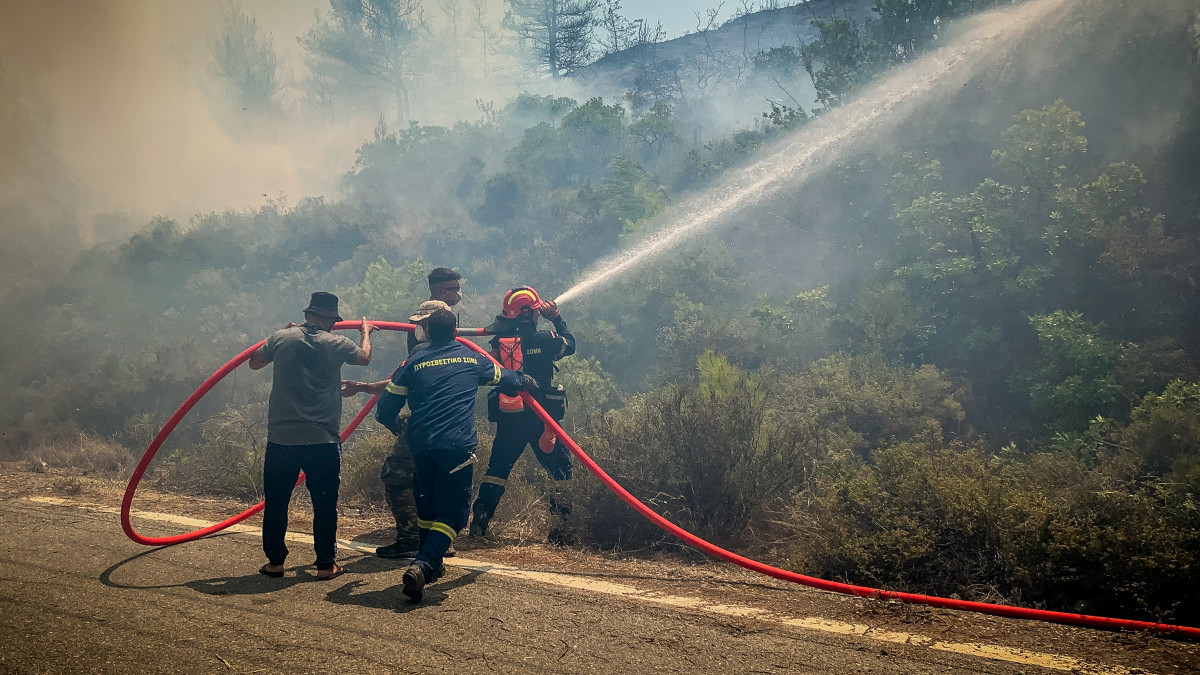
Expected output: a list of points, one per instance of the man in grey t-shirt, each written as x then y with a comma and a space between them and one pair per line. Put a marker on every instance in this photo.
303, 420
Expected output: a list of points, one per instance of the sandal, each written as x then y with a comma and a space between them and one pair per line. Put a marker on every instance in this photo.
266, 572
335, 571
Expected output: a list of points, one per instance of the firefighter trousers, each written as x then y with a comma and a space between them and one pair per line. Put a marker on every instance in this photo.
515, 432
443, 502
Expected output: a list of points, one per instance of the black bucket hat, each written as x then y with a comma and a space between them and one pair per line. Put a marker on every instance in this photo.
324, 304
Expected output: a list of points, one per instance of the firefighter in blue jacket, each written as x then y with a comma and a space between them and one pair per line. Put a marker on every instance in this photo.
519, 345
438, 383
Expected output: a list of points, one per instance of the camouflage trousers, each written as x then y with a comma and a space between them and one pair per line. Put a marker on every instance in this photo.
397, 477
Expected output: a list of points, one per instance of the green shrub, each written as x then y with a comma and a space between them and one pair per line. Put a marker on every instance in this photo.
1164, 433
858, 403
1077, 378
1101, 540
706, 460
1050, 530
590, 391
918, 518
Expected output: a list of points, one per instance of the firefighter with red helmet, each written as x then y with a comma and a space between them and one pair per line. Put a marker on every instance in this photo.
519, 345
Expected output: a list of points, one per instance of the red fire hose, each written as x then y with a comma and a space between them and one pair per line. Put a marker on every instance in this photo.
676, 531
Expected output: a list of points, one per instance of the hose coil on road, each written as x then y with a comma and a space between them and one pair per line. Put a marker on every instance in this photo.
673, 529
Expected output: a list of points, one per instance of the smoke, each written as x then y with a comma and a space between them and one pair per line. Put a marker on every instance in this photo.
109, 114
113, 100
112, 113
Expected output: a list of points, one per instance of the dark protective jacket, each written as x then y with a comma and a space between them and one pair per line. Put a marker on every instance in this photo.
438, 383
539, 348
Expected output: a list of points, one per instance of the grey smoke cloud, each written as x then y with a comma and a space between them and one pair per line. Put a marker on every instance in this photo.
116, 94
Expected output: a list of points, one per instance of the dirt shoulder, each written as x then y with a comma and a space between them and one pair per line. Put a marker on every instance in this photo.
709, 582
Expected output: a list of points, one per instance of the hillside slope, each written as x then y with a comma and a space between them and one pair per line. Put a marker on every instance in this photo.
714, 67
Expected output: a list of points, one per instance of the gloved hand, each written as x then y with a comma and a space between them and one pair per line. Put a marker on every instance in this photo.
399, 425
531, 385
549, 310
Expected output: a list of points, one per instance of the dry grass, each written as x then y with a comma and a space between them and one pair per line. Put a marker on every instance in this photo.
70, 448
362, 458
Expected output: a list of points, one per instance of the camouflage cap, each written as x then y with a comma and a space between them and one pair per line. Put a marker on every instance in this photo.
427, 308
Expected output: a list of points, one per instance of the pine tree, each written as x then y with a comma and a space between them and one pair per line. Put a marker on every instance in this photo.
559, 32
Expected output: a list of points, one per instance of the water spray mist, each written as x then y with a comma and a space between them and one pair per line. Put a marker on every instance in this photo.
834, 137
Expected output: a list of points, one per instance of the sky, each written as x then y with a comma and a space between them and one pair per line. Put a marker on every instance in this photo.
677, 16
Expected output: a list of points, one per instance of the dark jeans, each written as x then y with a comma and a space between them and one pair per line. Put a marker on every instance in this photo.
514, 432
322, 467
443, 502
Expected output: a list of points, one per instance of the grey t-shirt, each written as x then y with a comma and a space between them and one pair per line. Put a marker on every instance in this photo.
306, 398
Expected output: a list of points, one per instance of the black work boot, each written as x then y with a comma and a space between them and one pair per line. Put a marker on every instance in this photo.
401, 548
414, 582
562, 534
479, 525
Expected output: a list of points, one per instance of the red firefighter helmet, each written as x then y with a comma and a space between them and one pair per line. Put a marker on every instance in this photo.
518, 299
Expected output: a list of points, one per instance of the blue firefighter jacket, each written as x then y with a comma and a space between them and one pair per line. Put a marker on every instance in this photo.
438, 383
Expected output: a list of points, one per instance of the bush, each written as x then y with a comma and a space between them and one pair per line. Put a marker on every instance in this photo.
1099, 540
863, 471
1049, 530
858, 403
918, 518
590, 391
707, 458
1164, 434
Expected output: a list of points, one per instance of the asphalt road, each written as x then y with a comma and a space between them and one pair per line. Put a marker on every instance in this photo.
77, 596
